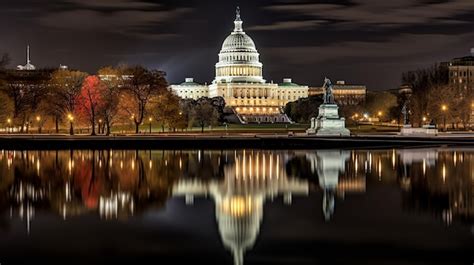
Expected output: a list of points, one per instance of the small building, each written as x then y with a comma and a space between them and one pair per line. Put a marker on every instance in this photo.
190, 89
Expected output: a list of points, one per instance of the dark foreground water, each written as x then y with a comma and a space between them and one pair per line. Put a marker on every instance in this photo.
406, 206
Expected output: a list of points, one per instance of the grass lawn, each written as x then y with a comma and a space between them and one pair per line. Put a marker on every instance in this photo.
232, 128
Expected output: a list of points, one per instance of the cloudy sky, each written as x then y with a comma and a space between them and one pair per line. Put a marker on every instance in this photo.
361, 41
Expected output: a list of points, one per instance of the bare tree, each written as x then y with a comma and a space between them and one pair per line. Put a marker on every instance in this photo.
141, 86
112, 79
66, 87
205, 114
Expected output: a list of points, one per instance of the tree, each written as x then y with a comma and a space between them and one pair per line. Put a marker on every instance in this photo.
4, 61
421, 82
90, 99
303, 109
6, 108
167, 111
457, 106
205, 114
380, 104
140, 88
26, 90
67, 87
112, 79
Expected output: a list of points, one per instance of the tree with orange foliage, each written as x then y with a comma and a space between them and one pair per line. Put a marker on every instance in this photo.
90, 99
139, 90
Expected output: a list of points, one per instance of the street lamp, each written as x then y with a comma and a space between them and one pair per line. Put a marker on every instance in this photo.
38, 119
444, 108
9, 122
379, 115
100, 125
71, 119
150, 120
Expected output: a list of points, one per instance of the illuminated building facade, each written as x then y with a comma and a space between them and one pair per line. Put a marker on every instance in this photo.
190, 89
461, 72
239, 80
461, 75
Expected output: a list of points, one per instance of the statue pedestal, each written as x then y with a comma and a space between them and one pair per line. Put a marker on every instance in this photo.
328, 122
426, 130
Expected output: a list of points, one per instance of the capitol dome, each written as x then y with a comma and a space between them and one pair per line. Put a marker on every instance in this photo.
238, 42
238, 58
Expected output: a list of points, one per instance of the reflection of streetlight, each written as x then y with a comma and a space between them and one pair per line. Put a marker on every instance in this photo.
150, 120
444, 108
38, 119
71, 119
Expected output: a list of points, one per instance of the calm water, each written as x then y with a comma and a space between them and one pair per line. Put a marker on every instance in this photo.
409, 206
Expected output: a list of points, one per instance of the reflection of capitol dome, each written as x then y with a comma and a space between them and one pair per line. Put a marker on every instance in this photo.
239, 198
239, 223
239, 59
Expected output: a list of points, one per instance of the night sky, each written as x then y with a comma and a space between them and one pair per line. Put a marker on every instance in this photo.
361, 41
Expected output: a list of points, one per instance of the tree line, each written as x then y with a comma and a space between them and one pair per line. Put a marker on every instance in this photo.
115, 96
435, 99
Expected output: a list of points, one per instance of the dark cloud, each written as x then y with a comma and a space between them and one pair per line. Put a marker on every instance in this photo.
302, 39
289, 25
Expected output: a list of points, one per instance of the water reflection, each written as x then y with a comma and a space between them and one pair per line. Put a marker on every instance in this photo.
121, 184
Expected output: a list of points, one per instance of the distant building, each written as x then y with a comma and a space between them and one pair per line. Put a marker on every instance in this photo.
344, 94
461, 71
461, 75
28, 66
190, 89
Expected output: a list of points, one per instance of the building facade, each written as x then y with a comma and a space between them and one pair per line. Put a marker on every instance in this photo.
461, 76
190, 89
461, 72
239, 80
344, 94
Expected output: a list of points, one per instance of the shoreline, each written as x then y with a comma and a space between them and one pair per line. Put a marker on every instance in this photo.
222, 141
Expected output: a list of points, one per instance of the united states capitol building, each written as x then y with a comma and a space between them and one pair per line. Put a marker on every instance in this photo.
239, 80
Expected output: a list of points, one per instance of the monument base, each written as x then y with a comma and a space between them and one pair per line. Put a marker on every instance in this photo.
425, 130
328, 122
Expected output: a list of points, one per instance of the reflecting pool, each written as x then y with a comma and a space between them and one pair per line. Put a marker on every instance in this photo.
394, 206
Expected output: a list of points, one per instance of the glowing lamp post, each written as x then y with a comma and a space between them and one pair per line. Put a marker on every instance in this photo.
100, 125
150, 120
9, 122
71, 120
38, 120
444, 108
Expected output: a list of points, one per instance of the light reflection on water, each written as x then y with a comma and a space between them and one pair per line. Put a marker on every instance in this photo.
115, 184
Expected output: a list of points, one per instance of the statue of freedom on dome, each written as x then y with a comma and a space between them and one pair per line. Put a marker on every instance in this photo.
328, 92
